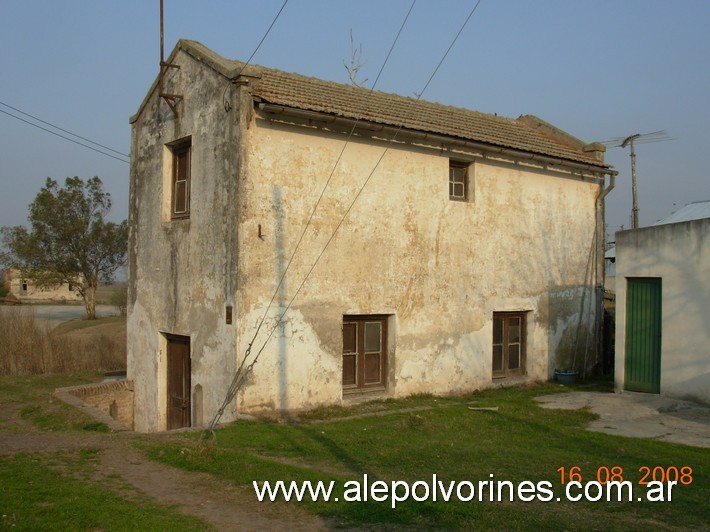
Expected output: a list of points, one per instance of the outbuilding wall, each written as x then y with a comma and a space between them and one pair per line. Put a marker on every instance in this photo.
679, 255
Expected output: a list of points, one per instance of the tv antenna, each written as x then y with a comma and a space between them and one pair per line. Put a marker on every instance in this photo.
631, 140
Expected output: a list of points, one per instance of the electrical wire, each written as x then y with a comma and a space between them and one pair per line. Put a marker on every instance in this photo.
362, 187
264, 37
330, 177
227, 105
242, 372
64, 137
64, 130
118, 153
241, 375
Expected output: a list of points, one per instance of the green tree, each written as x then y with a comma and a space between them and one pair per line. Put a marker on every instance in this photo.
69, 240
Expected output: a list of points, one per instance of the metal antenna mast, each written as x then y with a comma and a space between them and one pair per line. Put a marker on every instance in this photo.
171, 99
622, 142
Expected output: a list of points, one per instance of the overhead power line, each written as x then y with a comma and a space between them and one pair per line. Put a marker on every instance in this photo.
265, 35
65, 138
243, 371
121, 156
330, 176
367, 180
64, 130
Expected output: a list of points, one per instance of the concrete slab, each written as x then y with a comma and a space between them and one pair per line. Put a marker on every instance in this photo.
639, 415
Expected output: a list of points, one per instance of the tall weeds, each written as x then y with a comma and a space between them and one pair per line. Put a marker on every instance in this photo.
27, 346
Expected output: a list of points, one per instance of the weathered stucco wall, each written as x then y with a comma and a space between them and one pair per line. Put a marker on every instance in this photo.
440, 268
678, 254
182, 272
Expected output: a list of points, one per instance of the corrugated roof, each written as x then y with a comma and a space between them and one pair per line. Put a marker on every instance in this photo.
693, 211
527, 133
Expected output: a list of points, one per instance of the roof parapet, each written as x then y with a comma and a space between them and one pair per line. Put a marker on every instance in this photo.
596, 150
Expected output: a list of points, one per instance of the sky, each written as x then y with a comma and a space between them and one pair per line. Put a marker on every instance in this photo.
598, 70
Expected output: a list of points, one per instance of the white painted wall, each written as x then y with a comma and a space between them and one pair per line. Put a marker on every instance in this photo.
679, 254
440, 268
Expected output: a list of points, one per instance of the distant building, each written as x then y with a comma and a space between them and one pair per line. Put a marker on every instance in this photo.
24, 289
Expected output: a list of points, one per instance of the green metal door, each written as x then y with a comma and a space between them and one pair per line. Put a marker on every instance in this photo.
643, 335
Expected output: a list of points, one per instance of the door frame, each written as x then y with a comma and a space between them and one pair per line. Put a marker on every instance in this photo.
643, 334
178, 406
506, 342
360, 354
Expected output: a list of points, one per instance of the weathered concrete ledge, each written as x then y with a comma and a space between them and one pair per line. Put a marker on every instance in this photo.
108, 402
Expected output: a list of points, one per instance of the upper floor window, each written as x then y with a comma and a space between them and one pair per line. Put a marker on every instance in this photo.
180, 202
458, 180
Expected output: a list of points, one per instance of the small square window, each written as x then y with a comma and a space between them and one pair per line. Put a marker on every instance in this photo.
458, 180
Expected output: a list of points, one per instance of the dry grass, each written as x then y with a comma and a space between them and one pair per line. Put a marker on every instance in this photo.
28, 347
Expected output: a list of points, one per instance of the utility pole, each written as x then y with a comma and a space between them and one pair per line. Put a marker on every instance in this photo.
622, 142
634, 202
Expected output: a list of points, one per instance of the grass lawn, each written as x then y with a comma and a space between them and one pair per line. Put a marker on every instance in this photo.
443, 436
46, 491
56, 490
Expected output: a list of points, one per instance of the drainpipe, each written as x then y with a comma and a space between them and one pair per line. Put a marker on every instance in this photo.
600, 269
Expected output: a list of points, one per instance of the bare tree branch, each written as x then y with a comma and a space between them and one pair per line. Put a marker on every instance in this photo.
356, 63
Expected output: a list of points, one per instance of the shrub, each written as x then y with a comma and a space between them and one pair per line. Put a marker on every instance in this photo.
119, 299
28, 347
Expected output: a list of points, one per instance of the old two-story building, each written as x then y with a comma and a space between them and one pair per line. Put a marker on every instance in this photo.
360, 244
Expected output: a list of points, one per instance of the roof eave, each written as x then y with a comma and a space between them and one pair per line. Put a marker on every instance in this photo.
428, 136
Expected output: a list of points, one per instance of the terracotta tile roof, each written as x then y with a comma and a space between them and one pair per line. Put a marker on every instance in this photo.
346, 101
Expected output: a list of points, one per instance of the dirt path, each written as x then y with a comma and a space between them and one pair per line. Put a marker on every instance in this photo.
121, 466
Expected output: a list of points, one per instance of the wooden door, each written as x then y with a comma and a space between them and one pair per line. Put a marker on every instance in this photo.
179, 406
643, 335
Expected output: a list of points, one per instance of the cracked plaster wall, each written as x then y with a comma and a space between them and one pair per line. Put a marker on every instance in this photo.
438, 268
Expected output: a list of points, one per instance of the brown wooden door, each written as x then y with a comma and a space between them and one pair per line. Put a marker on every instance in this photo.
364, 352
178, 382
